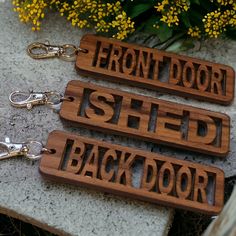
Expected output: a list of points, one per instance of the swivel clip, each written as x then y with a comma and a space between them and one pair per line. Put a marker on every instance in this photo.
31, 149
28, 100
67, 52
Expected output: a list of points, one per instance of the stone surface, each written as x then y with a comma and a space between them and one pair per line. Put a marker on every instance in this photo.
23, 193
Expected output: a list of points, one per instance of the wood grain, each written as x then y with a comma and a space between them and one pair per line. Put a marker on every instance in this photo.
141, 66
133, 173
146, 118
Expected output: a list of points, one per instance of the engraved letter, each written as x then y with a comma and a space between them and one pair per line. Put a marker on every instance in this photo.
108, 175
204, 122
100, 101
103, 55
149, 174
143, 64
200, 184
169, 122
189, 75
203, 78
91, 164
166, 178
114, 63
183, 191
142, 114
129, 61
124, 175
216, 81
175, 71
76, 158
157, 58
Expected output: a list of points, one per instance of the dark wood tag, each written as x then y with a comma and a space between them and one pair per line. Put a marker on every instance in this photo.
147, 118
133, 173
155, 69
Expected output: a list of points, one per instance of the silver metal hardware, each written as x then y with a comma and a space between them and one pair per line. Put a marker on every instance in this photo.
67, 52
27, 149
28, 100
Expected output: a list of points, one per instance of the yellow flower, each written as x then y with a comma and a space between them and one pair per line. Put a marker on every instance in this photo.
105, 17
194, 32
225, 2
215, 23
30, 11
170, 10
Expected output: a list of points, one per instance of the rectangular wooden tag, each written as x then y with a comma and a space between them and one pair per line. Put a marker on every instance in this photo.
147, 118
155, 69
133, 173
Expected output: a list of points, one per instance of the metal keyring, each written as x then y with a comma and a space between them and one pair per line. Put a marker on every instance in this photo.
47, 151
49, 51
10, 149
37, 98
69, 56
33, 156
50, 96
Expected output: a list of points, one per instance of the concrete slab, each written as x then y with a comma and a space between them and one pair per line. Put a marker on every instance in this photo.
23, 193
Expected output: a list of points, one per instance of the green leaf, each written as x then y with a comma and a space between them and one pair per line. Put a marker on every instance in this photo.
196, 17
231, 33
181, 45
164, 32
138, 9
185, 18
207, 5
195, 1
147, 26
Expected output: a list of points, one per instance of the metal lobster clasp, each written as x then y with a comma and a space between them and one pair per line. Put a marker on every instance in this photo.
38, 50
31, 149
28, 100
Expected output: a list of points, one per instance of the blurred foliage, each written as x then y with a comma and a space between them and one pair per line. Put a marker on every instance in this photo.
187, 223
163, 19
13, 227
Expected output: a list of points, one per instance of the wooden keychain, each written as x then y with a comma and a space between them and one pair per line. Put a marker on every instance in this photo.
136, 116
116, 61
125, 171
